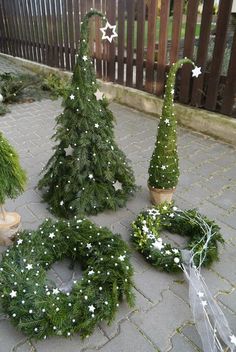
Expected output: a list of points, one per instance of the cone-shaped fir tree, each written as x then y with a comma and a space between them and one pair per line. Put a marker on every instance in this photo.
88, 173
164, 168
12, 176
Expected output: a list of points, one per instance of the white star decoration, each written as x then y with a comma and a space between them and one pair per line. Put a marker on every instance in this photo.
72, 97
55, 291
121, 258
29, 266
200, 294
90, 176
96, 125
158, 245
91, 308
85, 58
99, 95
104, 29
167, 121
233, 339
51, 235
61, 202
196, 71
163, 168
91, 272
13, 294
204, 303
89, 246
19, 241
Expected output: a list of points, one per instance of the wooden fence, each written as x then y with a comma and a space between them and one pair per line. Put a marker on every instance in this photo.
150, 38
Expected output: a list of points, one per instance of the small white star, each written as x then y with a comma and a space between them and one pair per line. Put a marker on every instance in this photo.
72, 97
51, 235
204, 303
158, 245
29, 266
200, 294
90, 176
165, 207
96, 125
99, 95
233, 339
196, 71
172, 91
167, 121
55, 291
145, 228
89, 246
91, 272
19, 241
91, 308
163, 168
172, 215
61, 202
85, 58
104, 29
13, 294
121, 258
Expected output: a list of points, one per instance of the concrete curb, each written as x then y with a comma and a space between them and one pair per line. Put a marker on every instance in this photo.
210, 123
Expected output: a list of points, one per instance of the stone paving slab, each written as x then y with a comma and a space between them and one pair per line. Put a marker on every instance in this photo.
161, 320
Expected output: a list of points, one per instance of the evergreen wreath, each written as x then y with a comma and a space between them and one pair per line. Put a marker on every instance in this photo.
38, 308
146, 236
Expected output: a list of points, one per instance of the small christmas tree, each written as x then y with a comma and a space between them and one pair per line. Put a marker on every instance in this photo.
164, 169
12, 177
88, 173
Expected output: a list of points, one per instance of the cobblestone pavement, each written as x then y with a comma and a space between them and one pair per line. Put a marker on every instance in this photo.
161, 319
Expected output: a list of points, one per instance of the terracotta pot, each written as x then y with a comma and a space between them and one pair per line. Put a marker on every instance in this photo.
158, 196
9, 226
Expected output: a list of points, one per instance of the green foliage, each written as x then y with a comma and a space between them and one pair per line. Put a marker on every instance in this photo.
12, 86
12, 177
189, 223
56, 85
164, 169
38, 308
88, 173
3, 109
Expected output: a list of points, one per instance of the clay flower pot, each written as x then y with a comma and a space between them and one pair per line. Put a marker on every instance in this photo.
9, 225
158, 196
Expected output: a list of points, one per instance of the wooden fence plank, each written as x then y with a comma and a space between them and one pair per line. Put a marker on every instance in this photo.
44, 32
230, 87
32, 30
8, 26
176, 30
152, 14
111, 16
21, 28
2, 30
162, 47
49, 32
60, 34
83, 8
189, 41
14, 32
65, 33
98, 53
121, 39
29, 30
54, 34
36, 28
202, 52
130, 44
104, 44
218, 53
77, 23
71, 33
141, 7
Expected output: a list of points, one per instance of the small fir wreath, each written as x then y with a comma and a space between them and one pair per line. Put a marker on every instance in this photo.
203, 235
40, 309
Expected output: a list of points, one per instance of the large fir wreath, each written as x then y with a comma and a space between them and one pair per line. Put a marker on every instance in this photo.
203, 236
40, 309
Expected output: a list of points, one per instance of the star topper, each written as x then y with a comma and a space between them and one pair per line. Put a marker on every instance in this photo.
104, 30
196, 71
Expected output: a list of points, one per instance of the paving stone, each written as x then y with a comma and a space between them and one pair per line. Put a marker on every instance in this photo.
60, 344
191, 333
24, 347
152, 283
9, 336
181, 344
124, 311
129, 339
162, 321
229, 300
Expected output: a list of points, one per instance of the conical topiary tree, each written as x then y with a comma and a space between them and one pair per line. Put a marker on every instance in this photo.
12, 176
164, 168
88, 173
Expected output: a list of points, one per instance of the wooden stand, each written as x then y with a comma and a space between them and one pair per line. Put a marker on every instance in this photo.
158, 196
9, 225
